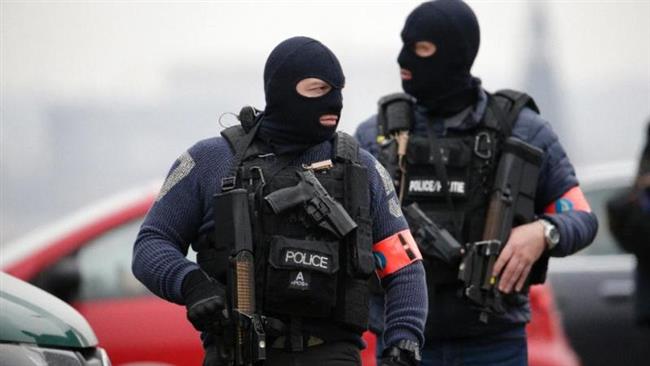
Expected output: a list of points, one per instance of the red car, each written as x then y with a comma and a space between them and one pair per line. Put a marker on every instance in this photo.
86, 259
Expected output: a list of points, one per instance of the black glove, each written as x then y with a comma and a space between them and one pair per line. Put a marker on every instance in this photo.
204, 299
404, 353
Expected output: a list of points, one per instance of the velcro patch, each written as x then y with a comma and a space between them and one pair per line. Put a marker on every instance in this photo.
295, 257
299, 280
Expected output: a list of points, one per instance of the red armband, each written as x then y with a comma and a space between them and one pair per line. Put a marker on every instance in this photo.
571, 200
395, 252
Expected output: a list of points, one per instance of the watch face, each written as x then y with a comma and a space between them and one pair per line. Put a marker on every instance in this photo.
552, 234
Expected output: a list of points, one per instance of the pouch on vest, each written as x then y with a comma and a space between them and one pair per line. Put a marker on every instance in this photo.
395, 113
422, 182
301, 277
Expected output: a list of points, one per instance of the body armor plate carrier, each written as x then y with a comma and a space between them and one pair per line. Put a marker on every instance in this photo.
465, 160
304, 268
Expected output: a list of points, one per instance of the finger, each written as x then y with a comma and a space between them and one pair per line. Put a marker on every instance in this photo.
524, 276
504, 257
513, 268
516, 274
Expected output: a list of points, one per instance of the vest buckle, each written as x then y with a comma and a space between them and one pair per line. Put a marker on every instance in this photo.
482, 145
256, 173
228, 183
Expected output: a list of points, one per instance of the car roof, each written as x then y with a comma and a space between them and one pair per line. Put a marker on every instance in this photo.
20, 248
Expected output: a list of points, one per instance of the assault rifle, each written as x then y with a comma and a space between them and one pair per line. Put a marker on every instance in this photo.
512, 203
243, 342
318, 204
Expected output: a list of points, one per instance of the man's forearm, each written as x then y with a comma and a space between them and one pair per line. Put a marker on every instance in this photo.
406, 304
160, 266
577, 230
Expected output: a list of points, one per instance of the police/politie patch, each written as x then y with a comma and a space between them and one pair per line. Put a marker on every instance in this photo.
430, 186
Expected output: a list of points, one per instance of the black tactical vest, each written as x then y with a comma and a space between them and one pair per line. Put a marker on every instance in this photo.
302, 270
466, 163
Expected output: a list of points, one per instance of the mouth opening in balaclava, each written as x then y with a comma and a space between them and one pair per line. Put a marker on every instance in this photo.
443, 81
291, 122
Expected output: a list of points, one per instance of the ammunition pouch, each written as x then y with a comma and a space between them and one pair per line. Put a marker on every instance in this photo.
395, 113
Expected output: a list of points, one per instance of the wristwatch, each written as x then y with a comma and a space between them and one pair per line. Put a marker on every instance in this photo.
551, 234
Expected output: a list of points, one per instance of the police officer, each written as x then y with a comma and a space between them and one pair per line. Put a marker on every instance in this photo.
456, 136
311, 280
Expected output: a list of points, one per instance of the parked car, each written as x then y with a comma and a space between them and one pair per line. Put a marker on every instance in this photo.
594, 289
37, 329
86, 260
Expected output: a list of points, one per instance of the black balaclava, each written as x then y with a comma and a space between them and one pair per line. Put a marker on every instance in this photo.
443, 82
291, 121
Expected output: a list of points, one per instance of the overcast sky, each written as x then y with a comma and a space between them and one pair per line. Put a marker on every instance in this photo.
126, 48
89, 70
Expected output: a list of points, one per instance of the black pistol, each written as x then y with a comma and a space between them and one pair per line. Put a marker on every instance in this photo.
431, 239
318, 204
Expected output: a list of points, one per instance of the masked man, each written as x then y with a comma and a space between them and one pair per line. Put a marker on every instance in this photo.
443, 153
286, 196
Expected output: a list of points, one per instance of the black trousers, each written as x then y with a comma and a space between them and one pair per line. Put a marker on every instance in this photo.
328, 354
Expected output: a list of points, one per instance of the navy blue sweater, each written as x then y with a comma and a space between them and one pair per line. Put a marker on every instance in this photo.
183, 212
557, 175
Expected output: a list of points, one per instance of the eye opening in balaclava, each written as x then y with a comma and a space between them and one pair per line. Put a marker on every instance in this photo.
313, 87
291, 122
423, 48
453, 28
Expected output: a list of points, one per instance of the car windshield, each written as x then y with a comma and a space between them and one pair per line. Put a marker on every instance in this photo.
105, 265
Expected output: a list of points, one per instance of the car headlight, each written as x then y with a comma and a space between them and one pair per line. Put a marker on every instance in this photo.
103, 357
33, 355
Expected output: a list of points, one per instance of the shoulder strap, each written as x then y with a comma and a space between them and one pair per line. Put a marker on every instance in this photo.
504, 107
239, 141
346, 148
234, 136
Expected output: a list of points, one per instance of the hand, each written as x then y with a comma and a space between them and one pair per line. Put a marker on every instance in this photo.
525, 246
405, 353
204, 300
